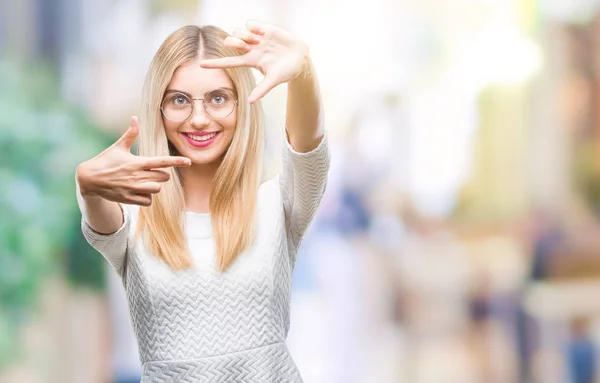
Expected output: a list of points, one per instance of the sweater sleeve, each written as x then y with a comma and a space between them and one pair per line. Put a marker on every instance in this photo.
302, 181
113, 247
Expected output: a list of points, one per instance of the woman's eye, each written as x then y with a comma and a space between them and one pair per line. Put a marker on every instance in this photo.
178, 100
220, 99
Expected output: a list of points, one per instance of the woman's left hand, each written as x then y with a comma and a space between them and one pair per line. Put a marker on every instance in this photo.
277, 54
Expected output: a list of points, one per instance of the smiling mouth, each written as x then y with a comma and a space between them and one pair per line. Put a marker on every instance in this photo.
201, 138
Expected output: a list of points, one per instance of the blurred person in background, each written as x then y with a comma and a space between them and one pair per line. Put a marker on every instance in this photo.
209, 283
341, 280
564, 253
581, 352
432, 278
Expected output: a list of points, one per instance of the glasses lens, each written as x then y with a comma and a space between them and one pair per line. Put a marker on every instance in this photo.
176, 107
219, 103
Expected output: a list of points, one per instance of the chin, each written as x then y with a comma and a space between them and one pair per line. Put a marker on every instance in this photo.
206, 157
205, 160
202, 156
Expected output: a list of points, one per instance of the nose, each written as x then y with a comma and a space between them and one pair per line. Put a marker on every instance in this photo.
199, 117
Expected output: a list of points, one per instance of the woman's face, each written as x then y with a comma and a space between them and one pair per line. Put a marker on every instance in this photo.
200, 129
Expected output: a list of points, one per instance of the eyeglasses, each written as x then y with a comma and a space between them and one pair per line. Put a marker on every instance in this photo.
218, 104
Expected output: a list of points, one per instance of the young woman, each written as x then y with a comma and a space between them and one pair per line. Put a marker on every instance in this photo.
204, 247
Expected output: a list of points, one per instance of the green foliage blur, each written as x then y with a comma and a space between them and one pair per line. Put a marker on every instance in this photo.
42, 140
587, 173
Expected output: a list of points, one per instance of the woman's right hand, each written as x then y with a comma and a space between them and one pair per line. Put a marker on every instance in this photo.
120, 176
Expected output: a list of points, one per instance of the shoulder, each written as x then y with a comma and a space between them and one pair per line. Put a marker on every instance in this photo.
269, 193
131, 210
269, 189
130, 214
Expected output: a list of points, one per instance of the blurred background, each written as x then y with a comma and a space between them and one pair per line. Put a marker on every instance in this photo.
459, 238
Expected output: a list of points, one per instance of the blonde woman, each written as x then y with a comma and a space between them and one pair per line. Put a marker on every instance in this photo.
204, 248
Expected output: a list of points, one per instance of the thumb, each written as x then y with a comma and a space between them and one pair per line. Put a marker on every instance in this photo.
261, 90
129, 136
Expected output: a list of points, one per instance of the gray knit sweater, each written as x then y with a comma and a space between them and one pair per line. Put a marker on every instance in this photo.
201, 325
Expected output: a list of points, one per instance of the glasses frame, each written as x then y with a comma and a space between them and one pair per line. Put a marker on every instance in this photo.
192, 99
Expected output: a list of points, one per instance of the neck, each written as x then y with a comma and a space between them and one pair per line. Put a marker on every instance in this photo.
197, 185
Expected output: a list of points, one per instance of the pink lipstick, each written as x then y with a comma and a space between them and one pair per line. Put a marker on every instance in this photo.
201, 139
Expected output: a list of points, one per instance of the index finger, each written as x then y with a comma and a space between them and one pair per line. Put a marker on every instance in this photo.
224, 62
256, 26
164, 162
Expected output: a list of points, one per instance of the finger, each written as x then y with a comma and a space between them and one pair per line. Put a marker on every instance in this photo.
225, 62
148, 187
256, 26
236, 43
246, 36
140, 199
264, 87
148, 163
158, 175
129, 136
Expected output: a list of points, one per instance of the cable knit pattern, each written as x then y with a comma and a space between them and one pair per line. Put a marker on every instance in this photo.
302, 183
200, 325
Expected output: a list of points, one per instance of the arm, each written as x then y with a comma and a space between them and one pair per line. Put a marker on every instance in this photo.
103, 216
302, 181
109, 182
306, 156
304, 115
283, 58
104, 224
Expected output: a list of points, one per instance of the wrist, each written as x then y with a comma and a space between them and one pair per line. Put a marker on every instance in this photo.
306, 71
82, 185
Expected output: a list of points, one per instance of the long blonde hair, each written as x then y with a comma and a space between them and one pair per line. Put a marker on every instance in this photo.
234, 191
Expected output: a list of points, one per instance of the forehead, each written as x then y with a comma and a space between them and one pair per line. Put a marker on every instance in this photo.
192, 78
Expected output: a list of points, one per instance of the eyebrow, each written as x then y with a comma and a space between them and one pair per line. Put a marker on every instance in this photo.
168, 91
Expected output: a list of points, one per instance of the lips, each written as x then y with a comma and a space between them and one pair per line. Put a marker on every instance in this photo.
200, 139
201, 136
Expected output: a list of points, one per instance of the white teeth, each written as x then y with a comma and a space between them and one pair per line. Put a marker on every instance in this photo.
201, 138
